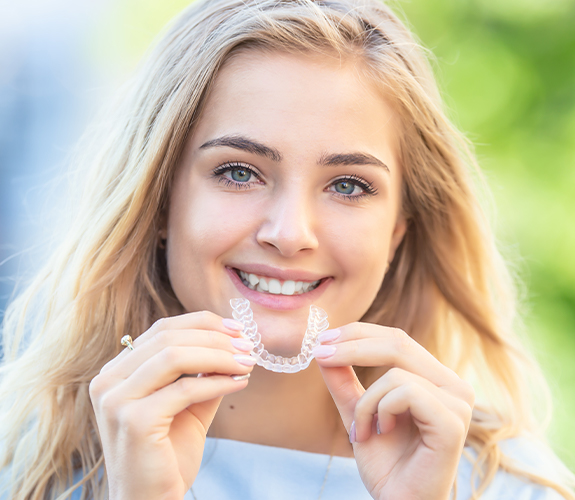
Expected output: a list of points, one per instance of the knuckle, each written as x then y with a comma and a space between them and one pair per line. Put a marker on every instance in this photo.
160, 325
185, 384
395, 375
214, 337
356, 329
109, 405
360, 405
381, 405
401, 339
162, 338
455, 435
128, 416
459, 428
205, 316
353, 347
170, 355
464, 411
411, 389
96, 387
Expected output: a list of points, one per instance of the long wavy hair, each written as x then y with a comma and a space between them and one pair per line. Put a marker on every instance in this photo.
447, 285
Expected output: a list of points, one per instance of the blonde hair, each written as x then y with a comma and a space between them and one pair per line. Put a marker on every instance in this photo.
447, 285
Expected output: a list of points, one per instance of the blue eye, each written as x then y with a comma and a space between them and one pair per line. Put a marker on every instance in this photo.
352, 187
237, 175
240, 174
344, 187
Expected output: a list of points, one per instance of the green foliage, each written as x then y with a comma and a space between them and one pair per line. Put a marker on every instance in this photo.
507, 69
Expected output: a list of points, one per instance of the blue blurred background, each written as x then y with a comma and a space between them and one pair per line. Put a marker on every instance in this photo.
507, 70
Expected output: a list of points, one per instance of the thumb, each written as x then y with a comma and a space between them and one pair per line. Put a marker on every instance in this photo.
345, 389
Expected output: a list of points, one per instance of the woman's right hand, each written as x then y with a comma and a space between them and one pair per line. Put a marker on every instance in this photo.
152, 423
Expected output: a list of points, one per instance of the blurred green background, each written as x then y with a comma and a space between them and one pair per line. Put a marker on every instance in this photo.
507, 71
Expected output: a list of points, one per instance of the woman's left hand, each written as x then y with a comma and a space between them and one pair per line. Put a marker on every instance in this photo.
422, 407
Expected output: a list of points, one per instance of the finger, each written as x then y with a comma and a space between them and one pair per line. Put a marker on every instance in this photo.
365, 344
176, 397
171, 363
345, 389
368, 404
440, 428
172, 338
202, 320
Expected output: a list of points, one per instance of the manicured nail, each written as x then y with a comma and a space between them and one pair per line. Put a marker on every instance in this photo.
323, 351
232, 324
237, 378
243, 344
244, 359
329, 335
352, 433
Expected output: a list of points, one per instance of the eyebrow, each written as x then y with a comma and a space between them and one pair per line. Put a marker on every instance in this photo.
336, 160
245, 144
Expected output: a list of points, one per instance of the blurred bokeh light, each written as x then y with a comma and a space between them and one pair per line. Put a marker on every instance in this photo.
507, 71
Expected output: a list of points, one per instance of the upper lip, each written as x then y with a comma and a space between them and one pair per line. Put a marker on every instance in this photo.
277, 273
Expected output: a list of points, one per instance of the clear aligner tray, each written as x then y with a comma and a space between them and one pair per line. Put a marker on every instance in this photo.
316, 323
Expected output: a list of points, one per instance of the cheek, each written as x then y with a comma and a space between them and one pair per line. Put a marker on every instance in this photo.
362, 249
201, 230
361, 239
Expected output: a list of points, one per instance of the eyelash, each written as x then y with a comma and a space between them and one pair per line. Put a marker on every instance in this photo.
220, 170
218, 173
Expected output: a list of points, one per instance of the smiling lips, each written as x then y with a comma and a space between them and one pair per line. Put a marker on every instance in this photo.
275, 286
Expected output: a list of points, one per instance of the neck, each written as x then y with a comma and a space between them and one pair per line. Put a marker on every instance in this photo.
292, 411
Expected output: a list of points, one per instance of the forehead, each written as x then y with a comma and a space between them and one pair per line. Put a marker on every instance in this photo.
314, 101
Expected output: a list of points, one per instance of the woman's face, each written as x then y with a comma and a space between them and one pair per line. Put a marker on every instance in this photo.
288, 194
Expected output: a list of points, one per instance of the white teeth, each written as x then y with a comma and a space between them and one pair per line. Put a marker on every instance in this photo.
288, 288
274, 286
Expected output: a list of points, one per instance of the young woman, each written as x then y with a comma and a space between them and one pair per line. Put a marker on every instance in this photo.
292, 153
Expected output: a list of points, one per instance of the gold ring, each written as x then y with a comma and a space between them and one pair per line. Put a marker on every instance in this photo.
127, 342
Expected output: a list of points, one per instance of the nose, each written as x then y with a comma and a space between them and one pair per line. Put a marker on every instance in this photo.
289, 224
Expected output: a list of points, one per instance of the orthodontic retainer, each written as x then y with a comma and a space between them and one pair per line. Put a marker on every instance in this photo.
316, 323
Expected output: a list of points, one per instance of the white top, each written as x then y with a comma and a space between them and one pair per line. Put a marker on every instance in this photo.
232, 470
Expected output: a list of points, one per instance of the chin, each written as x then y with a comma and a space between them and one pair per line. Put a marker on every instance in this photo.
282, 341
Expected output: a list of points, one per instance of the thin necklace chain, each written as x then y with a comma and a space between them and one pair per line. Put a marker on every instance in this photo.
326, 471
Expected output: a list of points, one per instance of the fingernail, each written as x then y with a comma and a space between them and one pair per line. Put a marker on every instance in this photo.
242, 344
329, 335
323, 351
232, 324
352, 433
237, 378
377, 427
244, 359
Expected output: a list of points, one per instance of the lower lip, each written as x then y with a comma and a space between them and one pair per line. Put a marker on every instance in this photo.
278, 302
